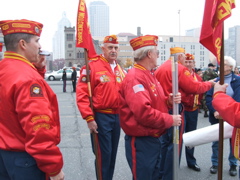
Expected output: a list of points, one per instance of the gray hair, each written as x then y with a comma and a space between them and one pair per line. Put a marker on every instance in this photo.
106, 44
175, 56
11, 40
141, 53
230, 61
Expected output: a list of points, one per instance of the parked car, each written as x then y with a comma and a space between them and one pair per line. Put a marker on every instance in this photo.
57, 75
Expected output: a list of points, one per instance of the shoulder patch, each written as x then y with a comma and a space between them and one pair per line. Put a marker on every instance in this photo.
84, 79
36, 91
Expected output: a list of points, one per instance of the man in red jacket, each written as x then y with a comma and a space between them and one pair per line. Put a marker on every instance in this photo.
105, 77
187, 85
29, 116
191, 104
144, 110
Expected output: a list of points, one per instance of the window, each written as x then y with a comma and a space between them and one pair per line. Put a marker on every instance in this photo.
80, 55
69, 37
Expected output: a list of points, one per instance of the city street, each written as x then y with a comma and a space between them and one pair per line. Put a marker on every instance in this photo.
79, 159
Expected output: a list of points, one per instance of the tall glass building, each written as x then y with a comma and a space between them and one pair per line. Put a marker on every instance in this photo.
99, 18
232, 44
58, 39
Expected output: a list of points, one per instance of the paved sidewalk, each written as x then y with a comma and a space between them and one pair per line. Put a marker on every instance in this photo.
79, 159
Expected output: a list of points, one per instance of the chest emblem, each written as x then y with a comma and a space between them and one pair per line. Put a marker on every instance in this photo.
104, 78
118, 79
187, 73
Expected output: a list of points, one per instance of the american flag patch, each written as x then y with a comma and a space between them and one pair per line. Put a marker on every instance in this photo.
138, 87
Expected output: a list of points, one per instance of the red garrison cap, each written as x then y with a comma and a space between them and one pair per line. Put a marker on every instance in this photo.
21, 26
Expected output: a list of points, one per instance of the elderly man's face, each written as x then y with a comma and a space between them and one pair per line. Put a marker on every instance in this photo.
155, 56
182, 58
110, 51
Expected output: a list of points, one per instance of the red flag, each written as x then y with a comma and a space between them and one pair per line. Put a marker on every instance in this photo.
216, 11
1, 45
84, 37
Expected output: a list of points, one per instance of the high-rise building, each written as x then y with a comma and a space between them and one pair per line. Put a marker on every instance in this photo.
99, 18
232, 44
195, 32
58, 39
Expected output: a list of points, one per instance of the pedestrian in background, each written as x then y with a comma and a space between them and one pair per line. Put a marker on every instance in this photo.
236, 71
29, 115
64, 79
233, 90
144, 109
208, 74
199, 72
187, 85
74, 78
106, 77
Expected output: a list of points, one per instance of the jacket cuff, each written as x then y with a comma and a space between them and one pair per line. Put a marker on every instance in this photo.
89, 119
217, 93
54, 173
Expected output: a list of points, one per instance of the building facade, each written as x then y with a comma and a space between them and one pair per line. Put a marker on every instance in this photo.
99, 18
189, 43
75, 56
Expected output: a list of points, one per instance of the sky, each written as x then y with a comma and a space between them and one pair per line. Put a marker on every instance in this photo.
156, 17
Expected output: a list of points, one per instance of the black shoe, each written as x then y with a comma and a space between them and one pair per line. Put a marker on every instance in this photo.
195, 167
233, 170
206, 114
213, 169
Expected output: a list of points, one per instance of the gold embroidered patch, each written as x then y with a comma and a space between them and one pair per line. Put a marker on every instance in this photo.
187, 73
41, 125
153, 88
40, 117
101, 72
104, 78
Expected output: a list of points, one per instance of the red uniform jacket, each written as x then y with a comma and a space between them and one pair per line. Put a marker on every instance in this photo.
187, 85
192, 101
105, 85
143, 110
29, 116
229, 109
